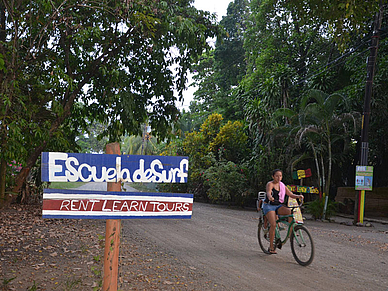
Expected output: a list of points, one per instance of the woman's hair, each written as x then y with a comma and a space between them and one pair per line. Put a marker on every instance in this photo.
276, 170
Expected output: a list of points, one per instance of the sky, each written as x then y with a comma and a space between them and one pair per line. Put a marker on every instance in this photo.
214, 6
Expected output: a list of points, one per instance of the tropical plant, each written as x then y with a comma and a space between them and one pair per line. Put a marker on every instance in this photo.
218, 72
344, 18
114, 57
92, 140
318, 125
231, 141
146, 144
316, 208
226, 181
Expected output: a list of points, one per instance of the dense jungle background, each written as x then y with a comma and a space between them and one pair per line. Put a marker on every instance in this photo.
283, 87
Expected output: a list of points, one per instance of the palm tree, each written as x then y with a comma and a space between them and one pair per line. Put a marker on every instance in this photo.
319, 124
140, 145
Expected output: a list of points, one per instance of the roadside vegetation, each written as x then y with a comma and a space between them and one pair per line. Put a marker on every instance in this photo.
283, 87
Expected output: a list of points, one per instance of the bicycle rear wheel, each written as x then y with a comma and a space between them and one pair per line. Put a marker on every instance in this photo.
302, 245
263, 237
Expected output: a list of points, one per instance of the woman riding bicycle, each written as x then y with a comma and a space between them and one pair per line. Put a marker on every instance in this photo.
273, 206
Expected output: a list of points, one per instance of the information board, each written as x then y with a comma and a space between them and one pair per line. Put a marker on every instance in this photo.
364, 178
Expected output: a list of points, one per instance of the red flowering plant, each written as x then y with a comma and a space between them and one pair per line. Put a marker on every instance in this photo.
15, 168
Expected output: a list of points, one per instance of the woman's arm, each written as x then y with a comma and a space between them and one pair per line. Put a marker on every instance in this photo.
292, 195
269, 191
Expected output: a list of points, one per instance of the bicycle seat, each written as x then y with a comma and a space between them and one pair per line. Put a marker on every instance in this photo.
260, 200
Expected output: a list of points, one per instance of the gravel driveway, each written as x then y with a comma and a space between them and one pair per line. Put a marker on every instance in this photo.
221, 244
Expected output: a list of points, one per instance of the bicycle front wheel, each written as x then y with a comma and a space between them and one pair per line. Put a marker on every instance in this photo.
263, 237
302, 245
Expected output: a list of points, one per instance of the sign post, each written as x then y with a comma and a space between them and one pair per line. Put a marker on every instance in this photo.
112, 235
114, 205
364, 182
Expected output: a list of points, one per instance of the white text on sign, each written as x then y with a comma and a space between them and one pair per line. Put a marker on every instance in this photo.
65, 168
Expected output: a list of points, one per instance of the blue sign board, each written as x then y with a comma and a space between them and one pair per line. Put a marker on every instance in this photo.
73, 167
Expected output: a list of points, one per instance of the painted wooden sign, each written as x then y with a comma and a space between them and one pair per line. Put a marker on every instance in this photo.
297, 213
303, 189
82, 204
73, 167
300, 174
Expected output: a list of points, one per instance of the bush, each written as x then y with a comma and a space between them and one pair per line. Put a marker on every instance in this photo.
227, 182
316, 207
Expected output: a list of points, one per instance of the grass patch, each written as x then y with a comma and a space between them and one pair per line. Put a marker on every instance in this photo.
144, 187
65, 185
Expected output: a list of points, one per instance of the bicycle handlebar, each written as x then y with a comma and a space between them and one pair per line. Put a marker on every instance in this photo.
259, 203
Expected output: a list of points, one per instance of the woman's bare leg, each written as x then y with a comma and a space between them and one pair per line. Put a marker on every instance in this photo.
271, 216
285, 211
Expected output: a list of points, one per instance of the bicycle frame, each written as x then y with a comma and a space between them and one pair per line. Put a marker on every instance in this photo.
284, 219
302, 245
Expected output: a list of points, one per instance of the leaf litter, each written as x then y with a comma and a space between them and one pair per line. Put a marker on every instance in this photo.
66, 254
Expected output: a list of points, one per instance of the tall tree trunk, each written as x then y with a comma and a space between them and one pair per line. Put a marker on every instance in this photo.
33, 157
323, 173
317, 166
328, 180
67, 109
3, 172
3, 163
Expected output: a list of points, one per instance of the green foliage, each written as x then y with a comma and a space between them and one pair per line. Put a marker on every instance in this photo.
196, 144
7, 281
316, 208
33, 287
65, 185
321, 130
77, 65
92, 140
344, 18
72, 284
219, 71
226, 182
231, 141
301, 90
139, 145
216, 154
211, 127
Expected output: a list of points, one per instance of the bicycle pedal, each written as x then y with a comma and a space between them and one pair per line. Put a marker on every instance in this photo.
278, 244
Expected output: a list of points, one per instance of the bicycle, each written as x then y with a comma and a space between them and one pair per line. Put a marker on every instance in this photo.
302, 245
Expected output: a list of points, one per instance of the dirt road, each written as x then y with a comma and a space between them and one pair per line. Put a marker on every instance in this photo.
215, 250
222, 243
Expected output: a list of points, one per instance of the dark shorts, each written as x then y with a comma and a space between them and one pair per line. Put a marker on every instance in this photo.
268, 207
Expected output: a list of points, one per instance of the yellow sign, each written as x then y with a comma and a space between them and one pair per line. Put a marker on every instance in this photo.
303, 189
301, 174
297, 213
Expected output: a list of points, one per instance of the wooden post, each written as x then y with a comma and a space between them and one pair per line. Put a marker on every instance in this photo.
112, 236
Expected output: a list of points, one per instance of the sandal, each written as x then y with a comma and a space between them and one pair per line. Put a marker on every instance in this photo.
272, 251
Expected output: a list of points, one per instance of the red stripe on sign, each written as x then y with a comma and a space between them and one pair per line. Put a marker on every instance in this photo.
115, 205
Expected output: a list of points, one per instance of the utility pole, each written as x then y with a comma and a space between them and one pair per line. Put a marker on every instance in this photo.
370, 71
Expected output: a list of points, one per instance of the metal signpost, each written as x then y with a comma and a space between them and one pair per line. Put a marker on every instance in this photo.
364, 182
114, 205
